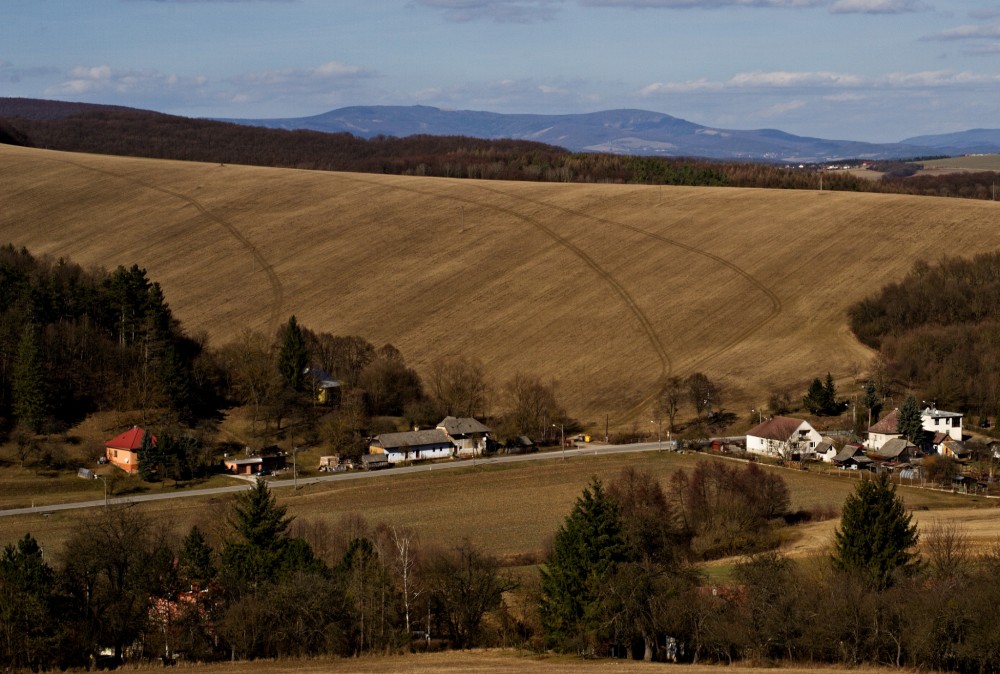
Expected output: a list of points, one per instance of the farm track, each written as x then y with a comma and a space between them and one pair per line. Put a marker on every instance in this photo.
277, 289
630, 303
739, 338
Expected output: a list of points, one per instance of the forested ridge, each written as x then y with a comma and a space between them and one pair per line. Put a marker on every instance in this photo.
138, 133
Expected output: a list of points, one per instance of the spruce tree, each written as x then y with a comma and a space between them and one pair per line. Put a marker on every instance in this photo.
876, 535
910, 425
28, 390
294, 355
586, 550
150, 459
872, 400
195, 559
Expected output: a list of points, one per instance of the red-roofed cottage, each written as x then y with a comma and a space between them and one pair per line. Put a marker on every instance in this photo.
123, 450
783, 437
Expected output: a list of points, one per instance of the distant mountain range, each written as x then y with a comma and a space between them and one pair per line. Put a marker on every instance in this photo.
639, 132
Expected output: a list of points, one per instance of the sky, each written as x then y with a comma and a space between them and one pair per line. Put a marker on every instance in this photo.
872, 70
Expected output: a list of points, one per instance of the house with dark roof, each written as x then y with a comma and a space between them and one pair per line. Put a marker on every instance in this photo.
783, 437
123, 450
938, 426
849, 451
825, 451
467, 434
884, 430
412, 446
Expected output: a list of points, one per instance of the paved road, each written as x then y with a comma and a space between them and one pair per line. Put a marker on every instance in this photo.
589, 450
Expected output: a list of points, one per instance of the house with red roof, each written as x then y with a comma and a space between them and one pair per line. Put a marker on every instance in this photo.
783, 437
123, 450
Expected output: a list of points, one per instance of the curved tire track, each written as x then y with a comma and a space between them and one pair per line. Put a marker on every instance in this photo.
645, 324
277, 289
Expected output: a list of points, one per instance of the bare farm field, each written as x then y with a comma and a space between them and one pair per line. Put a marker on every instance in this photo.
493, 661
967, 163
605, 289
510, 511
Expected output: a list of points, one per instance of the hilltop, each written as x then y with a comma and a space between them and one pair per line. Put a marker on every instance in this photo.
603, 288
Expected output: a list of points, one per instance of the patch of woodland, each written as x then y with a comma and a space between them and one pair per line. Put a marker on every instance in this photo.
938, 331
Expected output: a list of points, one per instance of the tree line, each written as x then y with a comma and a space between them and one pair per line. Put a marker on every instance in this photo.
874, 601
124, 591
621, 579
128, 132
937, 332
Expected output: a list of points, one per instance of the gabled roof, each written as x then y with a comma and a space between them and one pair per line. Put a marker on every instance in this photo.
776, 428
894, 448
848, 452
461, 426
887, 425
130, 439
412, 439
823, 447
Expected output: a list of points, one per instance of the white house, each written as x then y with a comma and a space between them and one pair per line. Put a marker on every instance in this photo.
468, 435
940, 426
938, 421
825, 451
884, 430
412, 446
784, 437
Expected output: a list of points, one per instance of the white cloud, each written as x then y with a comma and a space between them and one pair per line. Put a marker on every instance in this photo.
498, 11
756, 80
968, 32
877, 6
779, 109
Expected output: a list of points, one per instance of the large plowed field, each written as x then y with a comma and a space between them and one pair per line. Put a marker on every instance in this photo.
603, 288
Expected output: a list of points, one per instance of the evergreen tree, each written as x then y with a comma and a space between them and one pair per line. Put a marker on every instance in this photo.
261, 550
813, 399
27, 621
30, 401
586, 549
150, 459
876, 534
830, 404
910, 425
294, 356
195, 559
872, 400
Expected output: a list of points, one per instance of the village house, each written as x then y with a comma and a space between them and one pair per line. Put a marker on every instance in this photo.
123, 450
412, 446
783, 437
825, 451
937, 424
468, 435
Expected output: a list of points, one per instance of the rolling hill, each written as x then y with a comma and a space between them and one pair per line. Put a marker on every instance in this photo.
640, 132
604, 288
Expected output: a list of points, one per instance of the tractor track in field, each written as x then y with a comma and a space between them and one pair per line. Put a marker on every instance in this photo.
277, 289
733, 342
631, 305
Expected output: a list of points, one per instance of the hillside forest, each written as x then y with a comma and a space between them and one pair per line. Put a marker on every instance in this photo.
137, 133
938, 332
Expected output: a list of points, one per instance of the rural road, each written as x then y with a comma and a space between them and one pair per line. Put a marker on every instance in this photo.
589, 450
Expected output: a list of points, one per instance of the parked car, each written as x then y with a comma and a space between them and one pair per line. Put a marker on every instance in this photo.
264, 473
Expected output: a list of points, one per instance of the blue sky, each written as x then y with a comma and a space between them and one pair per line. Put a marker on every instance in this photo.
877, 70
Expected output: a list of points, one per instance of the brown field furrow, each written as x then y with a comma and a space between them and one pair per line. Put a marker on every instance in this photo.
600, 288
277, 305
